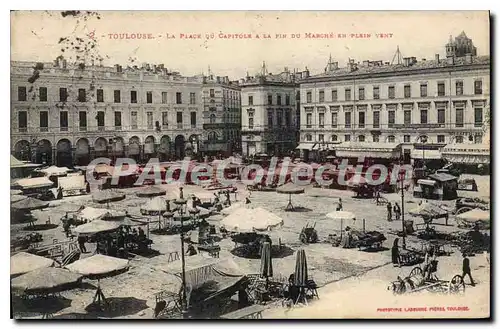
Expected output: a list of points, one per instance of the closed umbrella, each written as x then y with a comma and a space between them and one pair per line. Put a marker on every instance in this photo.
97, 226
107, 196
99, 267
290, 188
151, 191
23, 263
266, 262
46, 280
29, 204
300, 274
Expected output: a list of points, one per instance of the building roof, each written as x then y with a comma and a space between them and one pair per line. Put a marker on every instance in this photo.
396, 68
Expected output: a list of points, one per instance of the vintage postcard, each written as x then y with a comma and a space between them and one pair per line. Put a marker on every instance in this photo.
250, 165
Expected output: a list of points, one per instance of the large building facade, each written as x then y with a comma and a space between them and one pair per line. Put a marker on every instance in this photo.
221, 115
69, 115
412, 103
268, 111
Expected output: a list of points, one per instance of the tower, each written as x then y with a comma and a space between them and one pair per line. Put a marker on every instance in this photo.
451, 48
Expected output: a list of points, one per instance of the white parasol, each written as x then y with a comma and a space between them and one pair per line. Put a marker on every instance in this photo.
23, 263
249, 220
341, 215
97, 226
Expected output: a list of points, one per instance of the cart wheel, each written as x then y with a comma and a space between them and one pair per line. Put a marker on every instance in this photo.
456, 285
416, 271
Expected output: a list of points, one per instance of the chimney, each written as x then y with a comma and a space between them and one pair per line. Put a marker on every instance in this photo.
161, 66
218, 79
100, 62
64, 63
387, 63
56, 63
148, 67
468, 58
413, 60
92, 62
450, 60
154, 67
117, 68
437, 58
406, 61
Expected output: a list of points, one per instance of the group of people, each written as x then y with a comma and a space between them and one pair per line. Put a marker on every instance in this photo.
119, 243
396, 209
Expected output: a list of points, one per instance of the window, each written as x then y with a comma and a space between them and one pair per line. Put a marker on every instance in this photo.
212, 93
334, 138
478, 117
459, 117
391, 118
21, 94
376, 92
270, 118
347, 121
42, 94
440, 138
212, 136
441, 116
478, 139
361, 138
309, 138
423, 116
179, 120
347, 94
478, 87
117, 96
321, 96
100, 120
193, 119
82, 120
361, 92
423, 90
192, 98
279, 117
63, 120
149, 120
164, 119
309, 120
459, 88
361, 119
391, 92
100, 96
321, 120
321, 138
149, 97
269, 99
407, 91
250, 123
347, 138
391, 139
376, 138
63, 94
82, 95
376, 119
250, 100
278, 99
441, 91
44, 121
212, 118
309, 97
22, 121
287, 118
164, 97
334, 119
178, 98
133, 119
407, 117
334, 95
287, 99
459, 139
118, 120
406, 138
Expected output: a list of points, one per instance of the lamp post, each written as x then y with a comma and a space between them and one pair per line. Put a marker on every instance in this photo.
423, 139
181, 203
403, 204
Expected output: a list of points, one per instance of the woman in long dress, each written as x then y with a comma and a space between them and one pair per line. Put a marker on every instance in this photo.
395, 252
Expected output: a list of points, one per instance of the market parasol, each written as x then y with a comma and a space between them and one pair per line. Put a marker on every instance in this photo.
99, 267
428, 210
131, 222
55, 171
249, 220
106, 196
475, 215
266, 262
155, 206
231, 208
97, 226
29, 204
300, 274
90, 214
151, 191
17, 197
46, 280
23, 263
70, 207
290, 188
14, 192
341, 215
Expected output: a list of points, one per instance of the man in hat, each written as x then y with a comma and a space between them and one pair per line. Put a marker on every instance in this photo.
466, 269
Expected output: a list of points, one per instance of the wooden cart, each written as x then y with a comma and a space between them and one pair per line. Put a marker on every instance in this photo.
417, 281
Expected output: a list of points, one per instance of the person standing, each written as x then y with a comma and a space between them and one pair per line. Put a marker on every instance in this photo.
395, 252
81, 243
389, 212
466, 269
339, 206
397, 211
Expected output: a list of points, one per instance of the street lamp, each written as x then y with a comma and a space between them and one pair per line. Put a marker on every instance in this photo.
402, 176
423, 139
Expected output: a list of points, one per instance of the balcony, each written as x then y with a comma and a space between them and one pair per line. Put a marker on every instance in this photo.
101, 128
118, 127
22, 129
64, 129
83, 128
179, 125
44, 129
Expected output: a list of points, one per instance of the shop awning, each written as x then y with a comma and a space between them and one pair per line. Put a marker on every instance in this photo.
37, 182
467, 153
428, 182
426, 154
369, 150
305, 146
15, 163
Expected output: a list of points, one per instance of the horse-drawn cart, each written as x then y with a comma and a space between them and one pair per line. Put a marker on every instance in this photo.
420, 279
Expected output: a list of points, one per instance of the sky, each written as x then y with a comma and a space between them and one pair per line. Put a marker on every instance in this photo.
35, 36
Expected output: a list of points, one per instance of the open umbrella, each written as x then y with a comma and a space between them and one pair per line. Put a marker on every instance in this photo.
155, 206
476, 216
23, 263
69, 207
266, 262
29, 204
55, 171
17, 197
106, 196
97, 226
131, 222
290, 188
249, 220
99, 267
14, 192
300, 274
151, 191
231, 208
46, 280
341, 215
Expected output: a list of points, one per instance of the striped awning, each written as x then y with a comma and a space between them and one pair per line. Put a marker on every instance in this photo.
368, 150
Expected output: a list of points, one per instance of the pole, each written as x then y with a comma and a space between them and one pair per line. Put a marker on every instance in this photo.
403, 210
